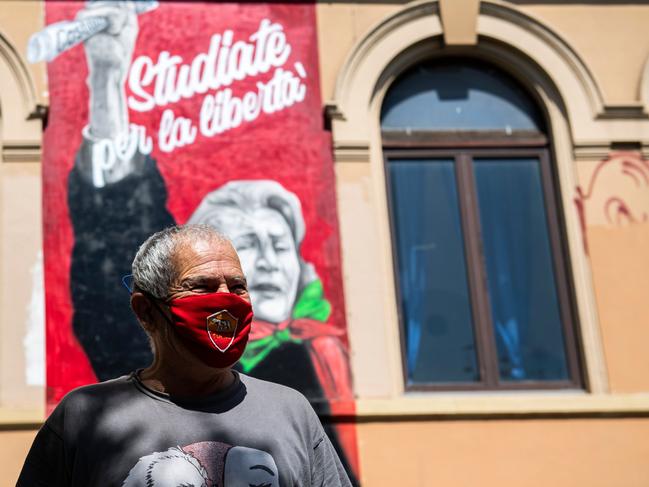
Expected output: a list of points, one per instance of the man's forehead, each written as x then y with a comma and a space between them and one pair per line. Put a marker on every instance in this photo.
198, 245
208, 254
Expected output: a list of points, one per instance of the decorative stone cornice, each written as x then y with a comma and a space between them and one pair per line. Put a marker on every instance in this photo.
351, 151
26, 151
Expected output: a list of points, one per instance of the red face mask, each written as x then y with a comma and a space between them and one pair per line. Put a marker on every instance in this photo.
214, 326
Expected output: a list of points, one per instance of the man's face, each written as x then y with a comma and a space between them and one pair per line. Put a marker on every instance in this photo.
202, 267
269, 259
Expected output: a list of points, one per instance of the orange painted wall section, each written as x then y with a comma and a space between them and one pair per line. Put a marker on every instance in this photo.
14, 446
613, 204
503, 453
620, 265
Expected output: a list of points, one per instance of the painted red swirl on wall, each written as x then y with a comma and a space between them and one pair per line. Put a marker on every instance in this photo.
617, 192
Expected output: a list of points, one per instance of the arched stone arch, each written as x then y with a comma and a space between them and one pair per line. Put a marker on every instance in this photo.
553, 73
498, 23
20, 134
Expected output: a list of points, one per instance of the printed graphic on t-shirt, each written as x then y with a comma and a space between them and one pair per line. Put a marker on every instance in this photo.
205, 464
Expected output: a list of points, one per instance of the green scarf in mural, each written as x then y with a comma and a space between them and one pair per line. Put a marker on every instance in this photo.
310, 309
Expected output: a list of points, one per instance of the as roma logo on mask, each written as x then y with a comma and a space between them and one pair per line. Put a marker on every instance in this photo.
221, 328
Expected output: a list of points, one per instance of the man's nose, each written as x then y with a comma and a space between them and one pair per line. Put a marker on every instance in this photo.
223, 288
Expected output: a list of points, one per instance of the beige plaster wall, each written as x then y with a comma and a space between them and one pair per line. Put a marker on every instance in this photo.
612, 39
14, 446
21, 305
620, 262
504, 453
21, 299
340, 26
375, 354
18, 21
615, 201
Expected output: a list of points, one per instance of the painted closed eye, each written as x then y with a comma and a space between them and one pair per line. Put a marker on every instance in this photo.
282, 246
260, 485
245, 242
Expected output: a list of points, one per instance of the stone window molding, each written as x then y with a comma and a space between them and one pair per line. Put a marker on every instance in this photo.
20, 124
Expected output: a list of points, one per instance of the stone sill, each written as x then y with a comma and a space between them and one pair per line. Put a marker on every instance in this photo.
506, 405
21, 418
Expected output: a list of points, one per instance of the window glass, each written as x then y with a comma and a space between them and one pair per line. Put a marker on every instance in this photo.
525, 309
459, 96
435, 303
478, 281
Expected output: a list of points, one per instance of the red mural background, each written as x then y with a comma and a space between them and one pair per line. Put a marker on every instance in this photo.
289, 146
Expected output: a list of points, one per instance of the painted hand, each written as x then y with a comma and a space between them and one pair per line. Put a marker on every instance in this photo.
109, 54
111, 50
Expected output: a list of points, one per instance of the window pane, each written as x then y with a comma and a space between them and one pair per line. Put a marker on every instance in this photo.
435, 304
521, 281
459, 96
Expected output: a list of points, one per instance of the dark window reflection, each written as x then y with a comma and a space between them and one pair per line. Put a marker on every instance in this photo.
521, 281
436, 309
458, 96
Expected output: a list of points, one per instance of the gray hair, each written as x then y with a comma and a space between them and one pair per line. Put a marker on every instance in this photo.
154, 267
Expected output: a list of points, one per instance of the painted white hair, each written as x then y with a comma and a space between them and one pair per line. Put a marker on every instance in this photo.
171, 468
249, 195
154, 266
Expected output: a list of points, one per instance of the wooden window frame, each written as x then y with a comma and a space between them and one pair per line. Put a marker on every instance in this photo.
463, 148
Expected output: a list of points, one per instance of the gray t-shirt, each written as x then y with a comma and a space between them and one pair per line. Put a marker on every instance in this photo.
121, 433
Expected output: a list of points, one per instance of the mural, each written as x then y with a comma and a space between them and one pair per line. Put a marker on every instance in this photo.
205, 464
617, 193
163, 114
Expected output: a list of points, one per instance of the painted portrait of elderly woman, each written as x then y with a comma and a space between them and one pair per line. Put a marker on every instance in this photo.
291, 330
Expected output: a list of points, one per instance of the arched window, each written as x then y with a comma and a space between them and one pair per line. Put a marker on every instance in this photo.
484, 292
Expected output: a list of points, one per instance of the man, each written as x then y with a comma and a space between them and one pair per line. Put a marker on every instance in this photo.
188, 418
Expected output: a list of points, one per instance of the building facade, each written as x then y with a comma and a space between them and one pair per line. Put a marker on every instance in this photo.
492, 190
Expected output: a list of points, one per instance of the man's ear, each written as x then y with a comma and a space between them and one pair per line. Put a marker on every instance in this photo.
143, 309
